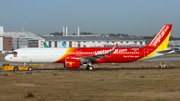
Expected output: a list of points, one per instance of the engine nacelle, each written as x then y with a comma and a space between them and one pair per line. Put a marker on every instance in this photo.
72, 63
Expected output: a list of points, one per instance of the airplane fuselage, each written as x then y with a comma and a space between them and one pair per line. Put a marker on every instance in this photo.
58, 55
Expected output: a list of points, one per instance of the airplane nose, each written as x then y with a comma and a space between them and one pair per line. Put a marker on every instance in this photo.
6, 58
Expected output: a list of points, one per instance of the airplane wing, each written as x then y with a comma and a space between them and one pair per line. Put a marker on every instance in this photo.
96, 57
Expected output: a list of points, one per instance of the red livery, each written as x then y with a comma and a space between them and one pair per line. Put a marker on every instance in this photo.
75, 57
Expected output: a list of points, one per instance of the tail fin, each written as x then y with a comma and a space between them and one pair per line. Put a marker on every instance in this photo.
160, 42
63, 44
45, 45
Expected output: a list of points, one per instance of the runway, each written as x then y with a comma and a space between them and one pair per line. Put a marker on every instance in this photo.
20, 64
154, 59
99, 69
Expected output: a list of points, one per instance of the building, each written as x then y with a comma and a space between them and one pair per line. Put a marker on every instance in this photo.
93, 41
33, 43
174, 43
1, 38
21, 39
7, 44
27, 39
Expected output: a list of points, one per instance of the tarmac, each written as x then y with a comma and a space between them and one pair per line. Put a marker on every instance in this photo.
154, 59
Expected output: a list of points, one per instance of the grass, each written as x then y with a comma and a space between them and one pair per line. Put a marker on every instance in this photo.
98, 85
125, 85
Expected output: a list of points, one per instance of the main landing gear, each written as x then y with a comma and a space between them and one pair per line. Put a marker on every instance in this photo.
89, 67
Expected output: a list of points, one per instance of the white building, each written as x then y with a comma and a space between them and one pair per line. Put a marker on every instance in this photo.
174, 43
20, 39
25, 38
1, 38
93, 41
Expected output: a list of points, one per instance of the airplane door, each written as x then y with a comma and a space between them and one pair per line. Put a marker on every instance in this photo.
24, 53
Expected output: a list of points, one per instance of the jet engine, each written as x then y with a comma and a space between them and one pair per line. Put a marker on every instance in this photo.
72, 63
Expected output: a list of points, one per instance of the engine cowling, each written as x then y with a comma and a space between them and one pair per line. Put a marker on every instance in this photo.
72, 63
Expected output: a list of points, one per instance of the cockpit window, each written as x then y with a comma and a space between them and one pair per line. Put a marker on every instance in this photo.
14, 52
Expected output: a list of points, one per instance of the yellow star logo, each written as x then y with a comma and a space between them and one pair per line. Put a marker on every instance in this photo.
70, 63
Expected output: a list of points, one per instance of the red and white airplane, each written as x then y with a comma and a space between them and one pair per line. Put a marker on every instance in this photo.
74, 57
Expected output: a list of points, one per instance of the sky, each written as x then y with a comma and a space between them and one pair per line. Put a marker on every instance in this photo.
133, 17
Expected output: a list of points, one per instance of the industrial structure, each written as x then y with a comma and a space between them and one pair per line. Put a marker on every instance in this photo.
15, 40
20, 39
1, 38
93, 41
7, 44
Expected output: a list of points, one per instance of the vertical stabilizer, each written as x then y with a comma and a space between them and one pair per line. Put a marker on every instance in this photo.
45, 45
160, 42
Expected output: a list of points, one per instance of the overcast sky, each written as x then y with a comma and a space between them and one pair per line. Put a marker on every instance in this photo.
134, 17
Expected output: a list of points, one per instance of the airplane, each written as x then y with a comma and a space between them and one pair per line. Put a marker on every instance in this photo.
46, 46
74, 57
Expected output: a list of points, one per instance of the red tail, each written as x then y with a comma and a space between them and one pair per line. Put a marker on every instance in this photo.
162, 38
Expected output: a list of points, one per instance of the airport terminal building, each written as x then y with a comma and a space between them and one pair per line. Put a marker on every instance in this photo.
20, 39
93, 41
15, 40
1, 38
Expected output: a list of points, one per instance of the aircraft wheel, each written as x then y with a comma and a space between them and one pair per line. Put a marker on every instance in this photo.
16, 68
87, 68
30, 69
90, 67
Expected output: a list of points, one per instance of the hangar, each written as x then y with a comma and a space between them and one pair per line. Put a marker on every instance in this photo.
27, 39
20, 39
93, 40
1, 38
